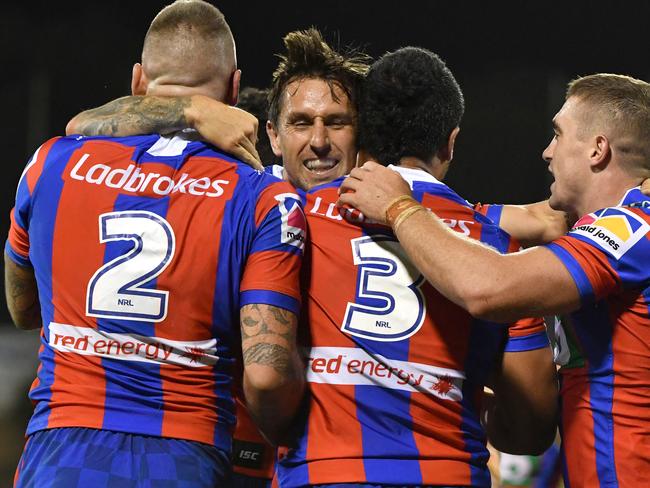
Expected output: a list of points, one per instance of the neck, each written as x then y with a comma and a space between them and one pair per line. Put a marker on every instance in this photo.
415, 163
608, 192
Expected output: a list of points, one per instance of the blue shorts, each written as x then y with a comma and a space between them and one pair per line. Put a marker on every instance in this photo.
82, 458
366, 485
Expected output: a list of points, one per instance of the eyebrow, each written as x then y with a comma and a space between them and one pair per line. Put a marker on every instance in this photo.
556, 127
327, 118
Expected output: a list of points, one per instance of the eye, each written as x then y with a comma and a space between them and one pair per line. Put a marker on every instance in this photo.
338, 123
301, 123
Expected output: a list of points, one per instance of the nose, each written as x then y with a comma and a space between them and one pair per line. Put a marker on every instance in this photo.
547, 154
320, 141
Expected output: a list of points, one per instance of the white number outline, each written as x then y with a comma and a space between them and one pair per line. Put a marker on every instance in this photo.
133, 286
389, 269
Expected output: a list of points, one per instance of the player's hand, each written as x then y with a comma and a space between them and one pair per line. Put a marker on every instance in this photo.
231, 129
371, 188
645, 187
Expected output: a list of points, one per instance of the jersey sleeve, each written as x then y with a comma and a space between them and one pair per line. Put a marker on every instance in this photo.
526, 335
491, 211
17, 244
606, 252
272, 272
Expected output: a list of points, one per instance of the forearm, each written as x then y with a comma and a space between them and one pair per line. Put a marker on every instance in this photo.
534, 224
22, 296
135, 115
522, 416
274, 405
274, 378
463, 270
511, 433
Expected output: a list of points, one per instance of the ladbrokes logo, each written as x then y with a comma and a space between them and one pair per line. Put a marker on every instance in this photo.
615, 230
131, 347
293, 220
134, 180
354, 366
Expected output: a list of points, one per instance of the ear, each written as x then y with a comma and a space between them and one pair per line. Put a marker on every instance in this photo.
233, 90
600, 153
273, 139
446, 154
139, 81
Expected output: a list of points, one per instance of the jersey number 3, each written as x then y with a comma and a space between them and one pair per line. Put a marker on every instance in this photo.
116, 289
389, 305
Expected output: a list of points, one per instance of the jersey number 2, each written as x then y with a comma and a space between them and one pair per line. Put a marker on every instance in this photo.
389, 305
115, 290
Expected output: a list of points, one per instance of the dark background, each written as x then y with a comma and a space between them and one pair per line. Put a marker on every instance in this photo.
512, 59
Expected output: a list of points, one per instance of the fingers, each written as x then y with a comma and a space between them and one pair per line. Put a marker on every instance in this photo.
248, 154
350, 184
346, 200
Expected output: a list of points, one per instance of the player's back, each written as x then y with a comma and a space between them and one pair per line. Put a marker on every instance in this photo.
396, 371
140, 247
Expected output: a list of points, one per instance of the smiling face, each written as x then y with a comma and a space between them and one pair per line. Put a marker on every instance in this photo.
315, 132
567, 156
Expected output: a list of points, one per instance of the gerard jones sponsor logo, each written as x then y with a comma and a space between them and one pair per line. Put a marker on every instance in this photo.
615, 230
131, 347
134, 180
353, 366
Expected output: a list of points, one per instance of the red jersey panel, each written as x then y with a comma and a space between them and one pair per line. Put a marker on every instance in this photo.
396, 371
144, 250
604, 348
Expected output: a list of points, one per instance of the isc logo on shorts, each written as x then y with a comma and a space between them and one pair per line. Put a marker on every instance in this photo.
293, 220
615, 230
247, 454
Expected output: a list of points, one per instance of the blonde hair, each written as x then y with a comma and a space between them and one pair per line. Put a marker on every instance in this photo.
622, 106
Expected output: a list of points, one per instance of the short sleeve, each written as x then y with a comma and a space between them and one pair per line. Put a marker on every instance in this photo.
606, 252
272, 271
526, 335
17, 244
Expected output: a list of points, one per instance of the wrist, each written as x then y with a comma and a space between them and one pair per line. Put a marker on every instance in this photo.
193, 110
400, 209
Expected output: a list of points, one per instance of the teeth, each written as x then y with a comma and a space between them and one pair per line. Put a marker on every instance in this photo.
320, 164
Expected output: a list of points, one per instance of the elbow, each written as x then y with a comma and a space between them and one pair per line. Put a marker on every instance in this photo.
489, 303
483, 304
26, 323
73, 126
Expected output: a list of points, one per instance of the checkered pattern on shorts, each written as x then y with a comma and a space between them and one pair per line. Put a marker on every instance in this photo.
91, 458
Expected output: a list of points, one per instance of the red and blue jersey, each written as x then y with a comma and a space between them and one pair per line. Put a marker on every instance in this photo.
604, 347
144, 249
395, 370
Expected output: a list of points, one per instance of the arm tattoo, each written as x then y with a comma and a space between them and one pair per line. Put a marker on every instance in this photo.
134, 115
22, 296
268, 336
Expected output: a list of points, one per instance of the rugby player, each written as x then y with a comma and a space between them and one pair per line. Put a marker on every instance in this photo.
298, 115
598, 274
124, 252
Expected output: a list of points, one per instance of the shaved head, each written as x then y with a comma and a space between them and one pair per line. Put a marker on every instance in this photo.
189, 48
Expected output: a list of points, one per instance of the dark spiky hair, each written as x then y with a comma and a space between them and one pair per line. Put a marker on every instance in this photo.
309, 56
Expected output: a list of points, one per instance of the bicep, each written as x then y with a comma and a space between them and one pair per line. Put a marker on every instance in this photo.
537, 283
528, 377
268, 336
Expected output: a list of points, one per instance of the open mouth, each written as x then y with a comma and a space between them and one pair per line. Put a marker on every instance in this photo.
321, 165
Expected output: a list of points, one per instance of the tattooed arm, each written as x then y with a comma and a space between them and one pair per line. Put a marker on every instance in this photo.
274, 375
22, 295
229, 128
